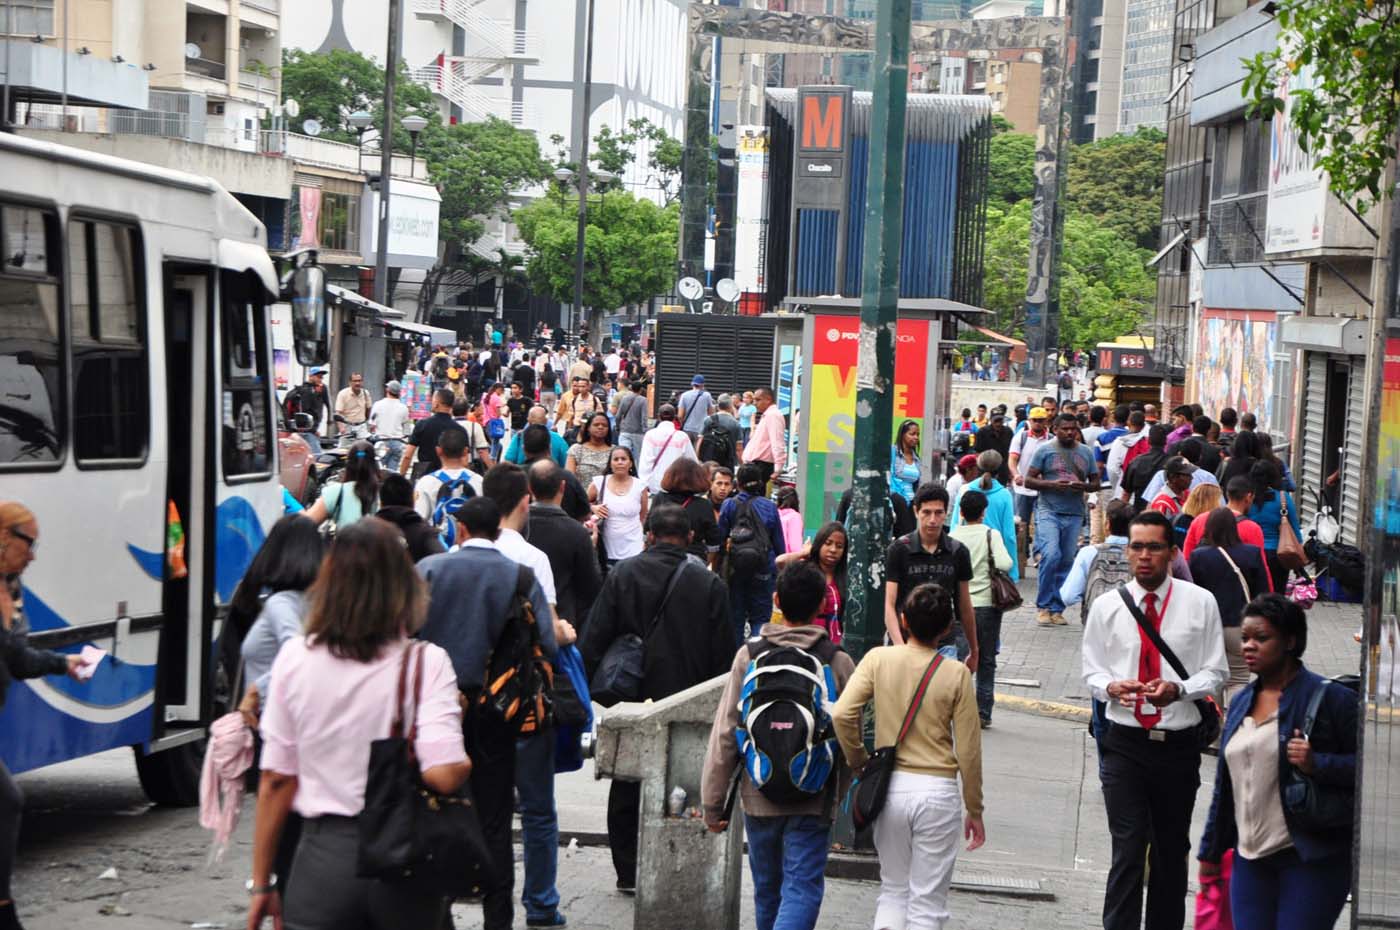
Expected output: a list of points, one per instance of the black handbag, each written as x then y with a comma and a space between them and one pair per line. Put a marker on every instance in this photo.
407, 832
873, 786
1311, 805
1005, 595
618, 676
1208, 730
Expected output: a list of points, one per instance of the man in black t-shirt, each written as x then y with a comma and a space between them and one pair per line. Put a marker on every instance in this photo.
930, 555
524, 375
517, 407
425, 437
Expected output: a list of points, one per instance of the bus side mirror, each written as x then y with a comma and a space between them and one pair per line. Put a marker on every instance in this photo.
310, 322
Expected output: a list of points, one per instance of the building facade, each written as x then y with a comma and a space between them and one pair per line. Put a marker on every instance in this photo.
1146, 64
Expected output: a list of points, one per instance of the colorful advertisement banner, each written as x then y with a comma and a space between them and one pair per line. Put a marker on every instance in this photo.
1234, 363
751, 209
282, 368
829, 428
418, 394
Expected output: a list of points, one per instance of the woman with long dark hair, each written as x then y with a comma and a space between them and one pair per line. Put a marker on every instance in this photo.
591, 456
355, 495
685, 484
790, 516
1234, 571
619, 499
1270, 501
905, 470
1244, 452
828, 551
333, 695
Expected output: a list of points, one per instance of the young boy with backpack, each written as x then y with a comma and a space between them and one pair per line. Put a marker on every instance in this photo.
774, 726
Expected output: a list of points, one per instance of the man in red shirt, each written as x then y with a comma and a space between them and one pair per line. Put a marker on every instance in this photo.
1239, 494
1171, 498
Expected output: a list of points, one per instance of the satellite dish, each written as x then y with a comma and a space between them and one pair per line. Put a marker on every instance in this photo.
690, 289
192, 50
291, 108
726, 290
311, 127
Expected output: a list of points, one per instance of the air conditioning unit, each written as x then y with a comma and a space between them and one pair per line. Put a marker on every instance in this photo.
216, 109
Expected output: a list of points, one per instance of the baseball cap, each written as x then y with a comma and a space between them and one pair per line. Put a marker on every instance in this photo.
967, 461
1037, 413
698, 379
319, 370
393, 387
1176, 465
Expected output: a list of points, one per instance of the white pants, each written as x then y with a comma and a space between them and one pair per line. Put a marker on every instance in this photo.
917, 837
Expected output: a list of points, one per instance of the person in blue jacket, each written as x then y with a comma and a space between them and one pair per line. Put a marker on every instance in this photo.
905, 470
1270, 499
1288, 874
1001, 510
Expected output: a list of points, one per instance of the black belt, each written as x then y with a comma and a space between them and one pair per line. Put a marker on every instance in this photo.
1154, 735
329, 822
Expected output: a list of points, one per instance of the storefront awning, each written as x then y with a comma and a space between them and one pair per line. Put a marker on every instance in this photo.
406, 330
336, 293
1018, 348
1342, 335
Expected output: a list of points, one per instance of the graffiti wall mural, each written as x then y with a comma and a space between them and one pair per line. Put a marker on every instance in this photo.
1234, 362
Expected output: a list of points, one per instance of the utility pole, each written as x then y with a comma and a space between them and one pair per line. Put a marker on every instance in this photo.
386, 157
581, 172
884, 230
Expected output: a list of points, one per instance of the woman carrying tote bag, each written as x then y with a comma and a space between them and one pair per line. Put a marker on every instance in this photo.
916, 834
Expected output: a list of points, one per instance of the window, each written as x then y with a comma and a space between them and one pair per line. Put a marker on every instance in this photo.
31, 356
28, 18
340, 221
111, 407
247, 431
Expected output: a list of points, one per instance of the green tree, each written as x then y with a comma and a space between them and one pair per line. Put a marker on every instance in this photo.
1010, 168
1118, 181
629, 248
477, 166
1346, 56
330, 86
1105, 288
614, 151
1001, 124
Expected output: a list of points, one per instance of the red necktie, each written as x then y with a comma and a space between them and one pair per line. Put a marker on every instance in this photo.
1149, 663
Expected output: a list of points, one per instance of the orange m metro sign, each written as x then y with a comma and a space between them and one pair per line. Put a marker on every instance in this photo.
824, 122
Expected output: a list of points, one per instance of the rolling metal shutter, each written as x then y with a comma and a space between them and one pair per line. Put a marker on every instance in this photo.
1351, 452
1313, 432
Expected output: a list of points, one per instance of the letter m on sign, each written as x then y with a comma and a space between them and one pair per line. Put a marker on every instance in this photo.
823, 121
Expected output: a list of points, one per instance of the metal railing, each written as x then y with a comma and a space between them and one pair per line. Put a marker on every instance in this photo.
262, 86
498, 35
267, 6
309, 150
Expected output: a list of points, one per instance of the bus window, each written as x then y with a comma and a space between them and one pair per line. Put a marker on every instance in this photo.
111, 408
31, 357
247, 431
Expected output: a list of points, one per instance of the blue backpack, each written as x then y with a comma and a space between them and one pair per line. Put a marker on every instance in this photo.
785, 735
453, 493
495, 429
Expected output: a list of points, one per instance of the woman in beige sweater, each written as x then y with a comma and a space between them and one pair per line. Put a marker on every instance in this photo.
916, 834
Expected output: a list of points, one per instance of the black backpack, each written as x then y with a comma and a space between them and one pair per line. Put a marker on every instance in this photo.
787, 743
749, 544
716, 444
519, 679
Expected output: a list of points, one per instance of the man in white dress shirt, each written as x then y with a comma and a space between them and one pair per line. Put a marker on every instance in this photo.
1150, 761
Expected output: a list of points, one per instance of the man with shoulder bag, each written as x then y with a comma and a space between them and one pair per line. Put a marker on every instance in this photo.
659, 625
1153, 651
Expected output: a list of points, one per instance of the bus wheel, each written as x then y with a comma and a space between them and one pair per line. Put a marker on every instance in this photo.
171, 778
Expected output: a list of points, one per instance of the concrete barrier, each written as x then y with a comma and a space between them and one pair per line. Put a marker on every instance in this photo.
686, 876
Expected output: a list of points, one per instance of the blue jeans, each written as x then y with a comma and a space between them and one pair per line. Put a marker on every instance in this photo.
1056, 542
1282, 892
750, 604
539, 823
394, 454
787, 856
632, 441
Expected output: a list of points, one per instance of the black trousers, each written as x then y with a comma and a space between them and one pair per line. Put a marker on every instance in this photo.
1149, 790
624, 819
491, 747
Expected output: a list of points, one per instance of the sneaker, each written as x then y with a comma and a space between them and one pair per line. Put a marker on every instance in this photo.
626, 887
1042, 617
554, 920
1058, 619
986, 722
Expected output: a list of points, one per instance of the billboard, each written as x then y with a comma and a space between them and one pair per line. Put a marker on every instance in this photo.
1234, 363
751, 210
829, 420
1297, 187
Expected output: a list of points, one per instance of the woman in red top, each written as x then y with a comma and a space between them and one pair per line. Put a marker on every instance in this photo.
827, 551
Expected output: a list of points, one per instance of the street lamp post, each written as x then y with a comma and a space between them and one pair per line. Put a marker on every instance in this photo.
360, 121
414, 125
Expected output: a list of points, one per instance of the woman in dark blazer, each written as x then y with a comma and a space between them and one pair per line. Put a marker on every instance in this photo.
1288, 874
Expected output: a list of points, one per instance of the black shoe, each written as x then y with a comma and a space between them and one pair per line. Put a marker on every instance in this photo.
986, 722
626, 887
9, 920
554, 920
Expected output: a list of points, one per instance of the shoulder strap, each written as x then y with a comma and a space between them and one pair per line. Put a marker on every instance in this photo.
396, 728
1314, 702
991, 565
918, 699
666, 597
1238, 574
1152, 634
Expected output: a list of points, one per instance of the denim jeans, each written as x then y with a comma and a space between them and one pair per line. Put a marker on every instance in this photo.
1056, 543
394, 454
539, 824
958, 649
1282, 892
787, 856
632, 441
988, 635
750, 605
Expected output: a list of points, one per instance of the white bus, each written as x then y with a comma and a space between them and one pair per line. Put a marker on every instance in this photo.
136, 405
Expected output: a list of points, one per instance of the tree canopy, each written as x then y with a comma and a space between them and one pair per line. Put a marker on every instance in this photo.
330, 86
1010, 168
1118, 181
1339, 63
477, 166
629, 247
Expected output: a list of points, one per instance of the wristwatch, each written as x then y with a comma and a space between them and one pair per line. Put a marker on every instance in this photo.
252, 889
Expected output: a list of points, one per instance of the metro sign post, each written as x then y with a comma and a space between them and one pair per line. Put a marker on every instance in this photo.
821, 166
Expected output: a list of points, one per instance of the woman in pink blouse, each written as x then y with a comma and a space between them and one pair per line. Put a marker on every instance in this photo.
332, 693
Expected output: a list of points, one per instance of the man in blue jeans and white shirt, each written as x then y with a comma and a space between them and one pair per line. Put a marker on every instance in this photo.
1062, 472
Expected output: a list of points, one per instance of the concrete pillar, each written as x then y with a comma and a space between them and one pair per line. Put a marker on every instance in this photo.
686, 876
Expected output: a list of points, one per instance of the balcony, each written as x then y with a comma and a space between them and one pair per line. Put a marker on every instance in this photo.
204, 67
266, 6
258, 87
324, 153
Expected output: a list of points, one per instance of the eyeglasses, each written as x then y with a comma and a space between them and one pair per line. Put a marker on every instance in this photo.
1152, 547
32, 542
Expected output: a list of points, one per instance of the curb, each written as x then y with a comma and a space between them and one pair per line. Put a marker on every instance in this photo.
1040, 708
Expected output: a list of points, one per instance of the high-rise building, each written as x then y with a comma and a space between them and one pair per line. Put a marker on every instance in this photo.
1094, 104
1146, 64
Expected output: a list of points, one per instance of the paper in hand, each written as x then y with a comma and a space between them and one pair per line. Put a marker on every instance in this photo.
91, 656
